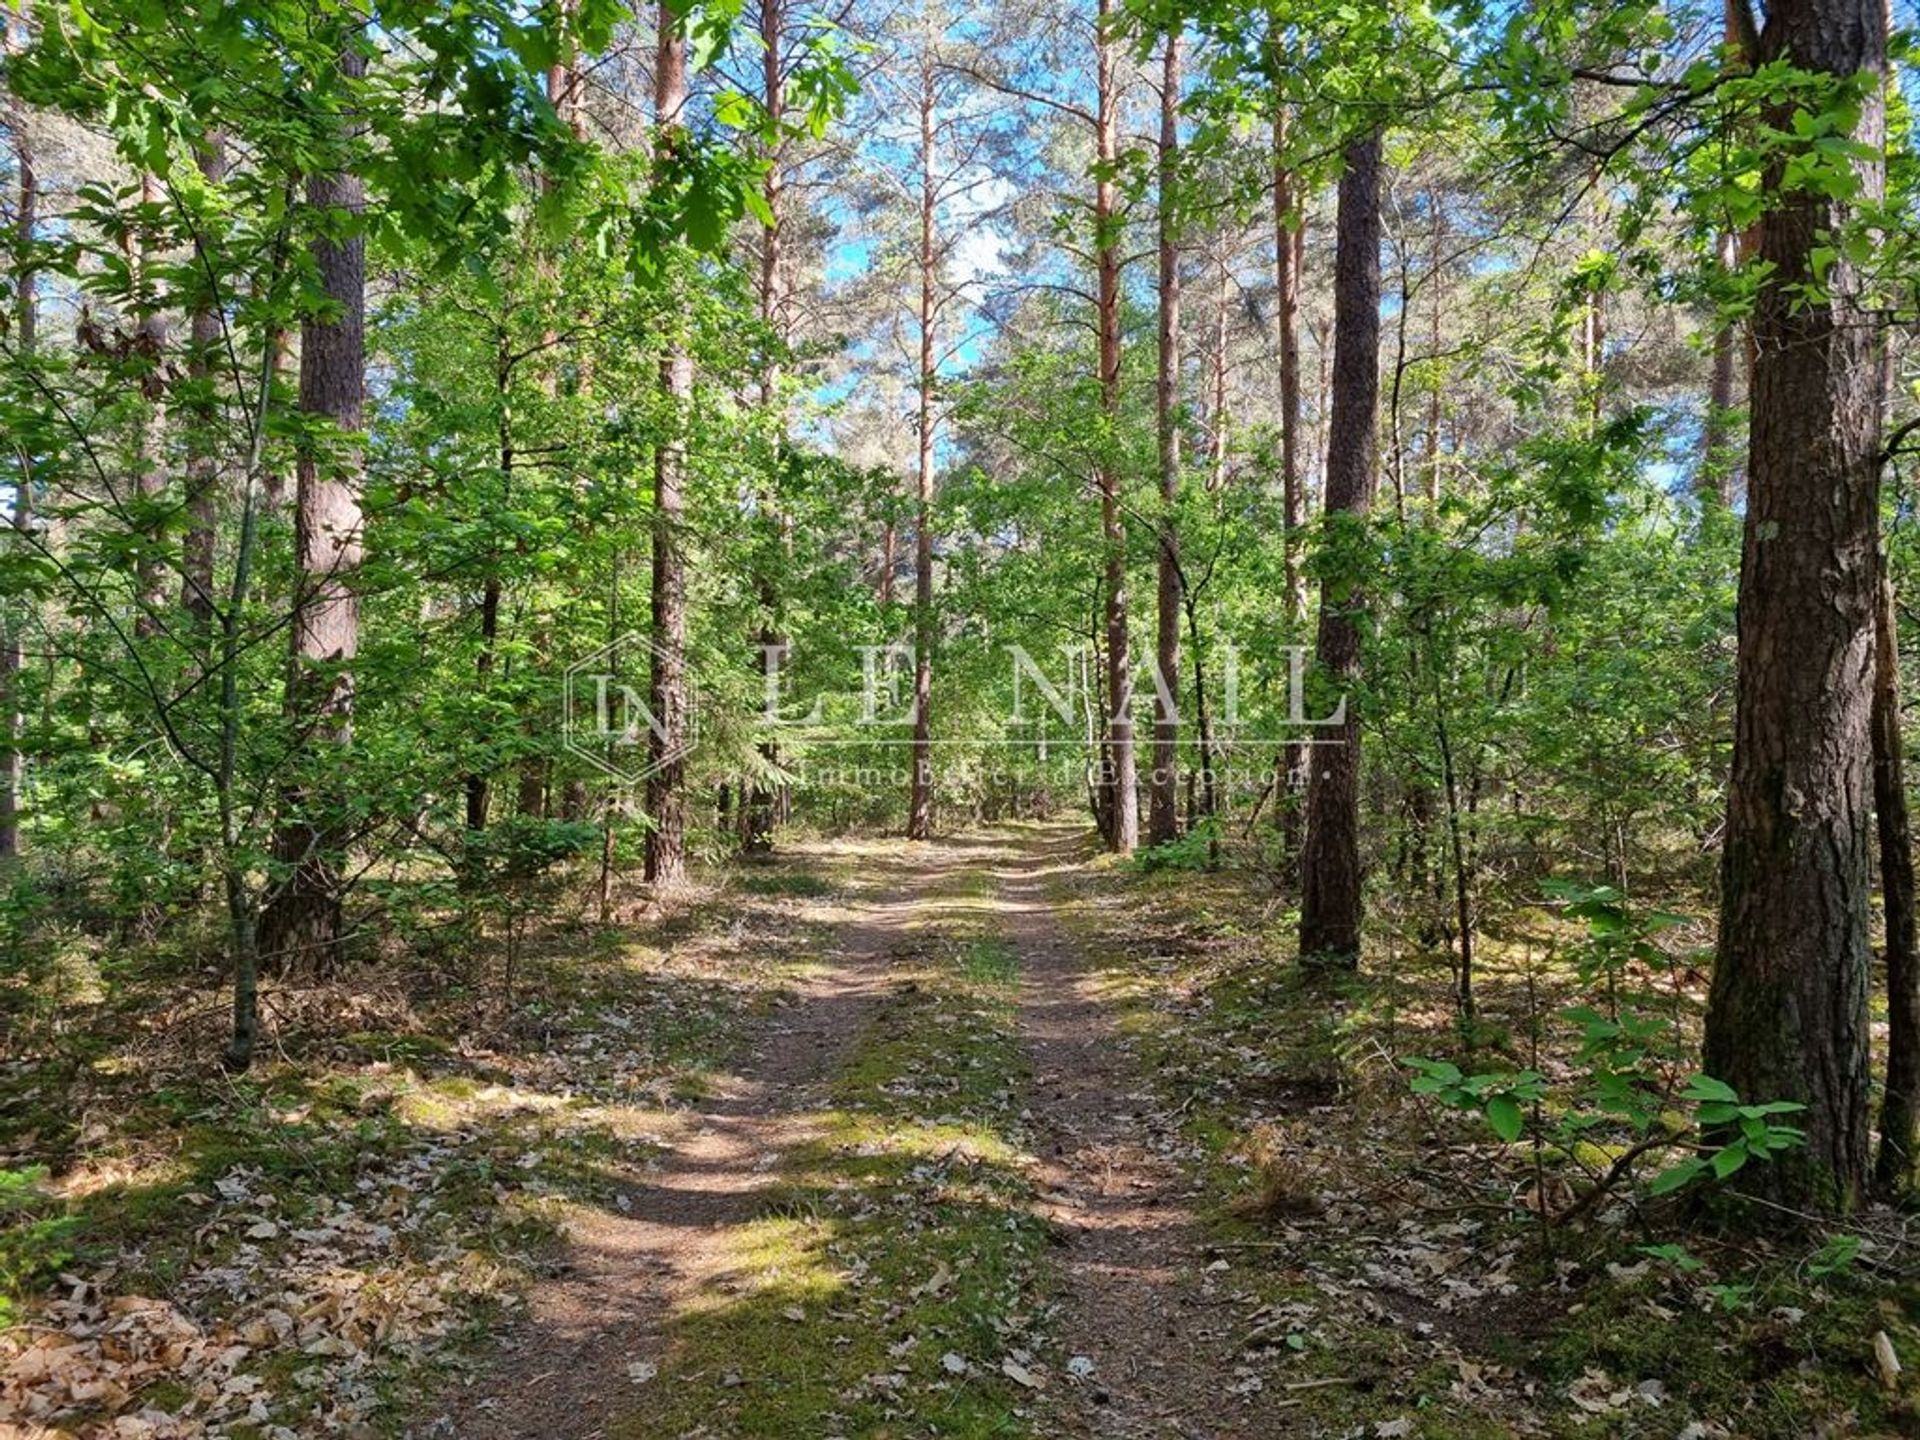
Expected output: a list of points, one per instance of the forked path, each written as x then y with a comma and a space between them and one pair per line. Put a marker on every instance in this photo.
1131, 1267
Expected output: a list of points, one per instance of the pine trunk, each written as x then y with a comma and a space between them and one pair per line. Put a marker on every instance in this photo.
1117, 776
1289, 233
1163, 793
763, 803
1330, 902
666, 857
920, 794
1787, 1017
300, 926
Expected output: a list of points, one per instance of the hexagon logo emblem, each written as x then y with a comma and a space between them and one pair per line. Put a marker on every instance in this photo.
607, 721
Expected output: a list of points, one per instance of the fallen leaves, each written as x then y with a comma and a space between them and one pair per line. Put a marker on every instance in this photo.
1597, 1394
338, 1291
1019, 1374
1886, 1361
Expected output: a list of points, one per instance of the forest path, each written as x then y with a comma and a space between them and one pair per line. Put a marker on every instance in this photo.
1060, 1141
566, 1370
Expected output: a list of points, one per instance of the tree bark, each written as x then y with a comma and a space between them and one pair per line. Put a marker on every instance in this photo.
1330, 902
1117, 775
1163, 793
666, 857
920, 792
1787, 1017
300, 925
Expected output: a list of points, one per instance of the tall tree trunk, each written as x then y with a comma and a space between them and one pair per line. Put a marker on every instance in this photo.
1289, 230
197, 547
920, 793
666, 859
26, 330
1163, 794
1330, 901
1787, 1017
761, 810
300, 926
1117, 777
1289, 234
1900, 1104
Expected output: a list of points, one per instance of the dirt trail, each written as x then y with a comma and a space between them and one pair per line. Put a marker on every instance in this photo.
1138, 1299
1138, 1302
562, 1371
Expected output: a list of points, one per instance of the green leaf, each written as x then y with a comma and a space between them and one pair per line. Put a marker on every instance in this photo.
1729, 1160
1441, 1070
1676, 1177
1505, 1116
1705, 1087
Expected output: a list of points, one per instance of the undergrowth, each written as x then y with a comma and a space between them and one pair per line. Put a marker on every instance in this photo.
1394, 1256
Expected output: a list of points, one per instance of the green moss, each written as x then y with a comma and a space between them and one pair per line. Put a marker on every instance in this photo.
774, 881
990, 961
1787, 1360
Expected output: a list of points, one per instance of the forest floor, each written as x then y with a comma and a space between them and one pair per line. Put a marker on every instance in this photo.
991, 1137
